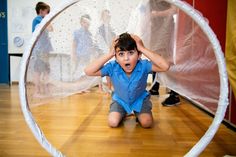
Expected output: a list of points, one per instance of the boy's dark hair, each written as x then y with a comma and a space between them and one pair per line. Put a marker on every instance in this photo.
125, 42
41, 6
85, 16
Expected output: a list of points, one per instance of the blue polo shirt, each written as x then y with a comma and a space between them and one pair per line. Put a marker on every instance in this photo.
36, 21
129, 92
84, 41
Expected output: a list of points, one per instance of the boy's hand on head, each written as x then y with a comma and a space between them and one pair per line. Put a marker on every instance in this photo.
138, 41
112, 48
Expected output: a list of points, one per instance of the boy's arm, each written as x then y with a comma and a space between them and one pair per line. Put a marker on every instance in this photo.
50, 28
35, 22
168, 12
93, 69
73, 54
159, 63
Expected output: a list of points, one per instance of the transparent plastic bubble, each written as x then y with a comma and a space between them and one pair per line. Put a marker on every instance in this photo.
76, 34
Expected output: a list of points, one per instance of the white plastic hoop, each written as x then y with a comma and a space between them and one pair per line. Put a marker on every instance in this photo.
223, 99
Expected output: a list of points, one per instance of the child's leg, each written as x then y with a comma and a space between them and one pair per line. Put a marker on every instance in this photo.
45, 76
108, 82
45, 84
145, 115
37, 77
117, 113
145, 120
100, 87
114, 119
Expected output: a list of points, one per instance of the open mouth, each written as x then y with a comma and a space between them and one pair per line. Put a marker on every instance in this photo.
128, 66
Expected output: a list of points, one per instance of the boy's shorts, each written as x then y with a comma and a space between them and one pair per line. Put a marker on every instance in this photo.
146, 108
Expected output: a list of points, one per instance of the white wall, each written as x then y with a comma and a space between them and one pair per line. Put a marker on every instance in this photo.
20, 16
22, 12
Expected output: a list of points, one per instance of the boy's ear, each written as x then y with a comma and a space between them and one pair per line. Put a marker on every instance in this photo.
115, 57
139, 54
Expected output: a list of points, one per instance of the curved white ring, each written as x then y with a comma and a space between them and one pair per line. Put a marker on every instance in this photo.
222, 104
223, 101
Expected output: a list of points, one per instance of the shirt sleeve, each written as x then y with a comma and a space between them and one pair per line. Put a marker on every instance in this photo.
106, 70
75, 36
148, 66
36, 21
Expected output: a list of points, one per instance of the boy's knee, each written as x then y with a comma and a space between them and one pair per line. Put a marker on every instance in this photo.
113, 123
146, 122
114, 119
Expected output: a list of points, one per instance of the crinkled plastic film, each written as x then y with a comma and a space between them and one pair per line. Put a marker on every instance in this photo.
172, 28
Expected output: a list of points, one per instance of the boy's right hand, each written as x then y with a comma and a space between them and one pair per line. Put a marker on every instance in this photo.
138, 41
112, 48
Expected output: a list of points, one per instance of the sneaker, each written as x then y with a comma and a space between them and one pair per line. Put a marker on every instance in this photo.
171, 100
153, 92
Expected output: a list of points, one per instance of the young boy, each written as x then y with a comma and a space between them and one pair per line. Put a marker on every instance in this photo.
82, 41
42, 9
129, 76
41, 50
83, 45
104, 37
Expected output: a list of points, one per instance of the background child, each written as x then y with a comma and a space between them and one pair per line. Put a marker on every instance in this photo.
82, 47
41, 50
129, 75
82, 41
104, 37
162, 19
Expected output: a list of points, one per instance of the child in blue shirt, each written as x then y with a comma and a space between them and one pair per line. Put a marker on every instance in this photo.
41, 50
42, 9
82, 48
83, 42
129, 74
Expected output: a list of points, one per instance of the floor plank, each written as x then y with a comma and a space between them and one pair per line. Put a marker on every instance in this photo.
77, 126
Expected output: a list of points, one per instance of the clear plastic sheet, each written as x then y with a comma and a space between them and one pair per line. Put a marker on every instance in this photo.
174, 34
59, 57
54, 68
194, 73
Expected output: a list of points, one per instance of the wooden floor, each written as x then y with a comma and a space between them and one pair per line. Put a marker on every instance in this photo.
77, 126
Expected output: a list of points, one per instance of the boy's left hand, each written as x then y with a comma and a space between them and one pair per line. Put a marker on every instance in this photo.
138, 41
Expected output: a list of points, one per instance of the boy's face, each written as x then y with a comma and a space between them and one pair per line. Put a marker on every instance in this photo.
85, 23
43, 12
106, 17
127, 59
